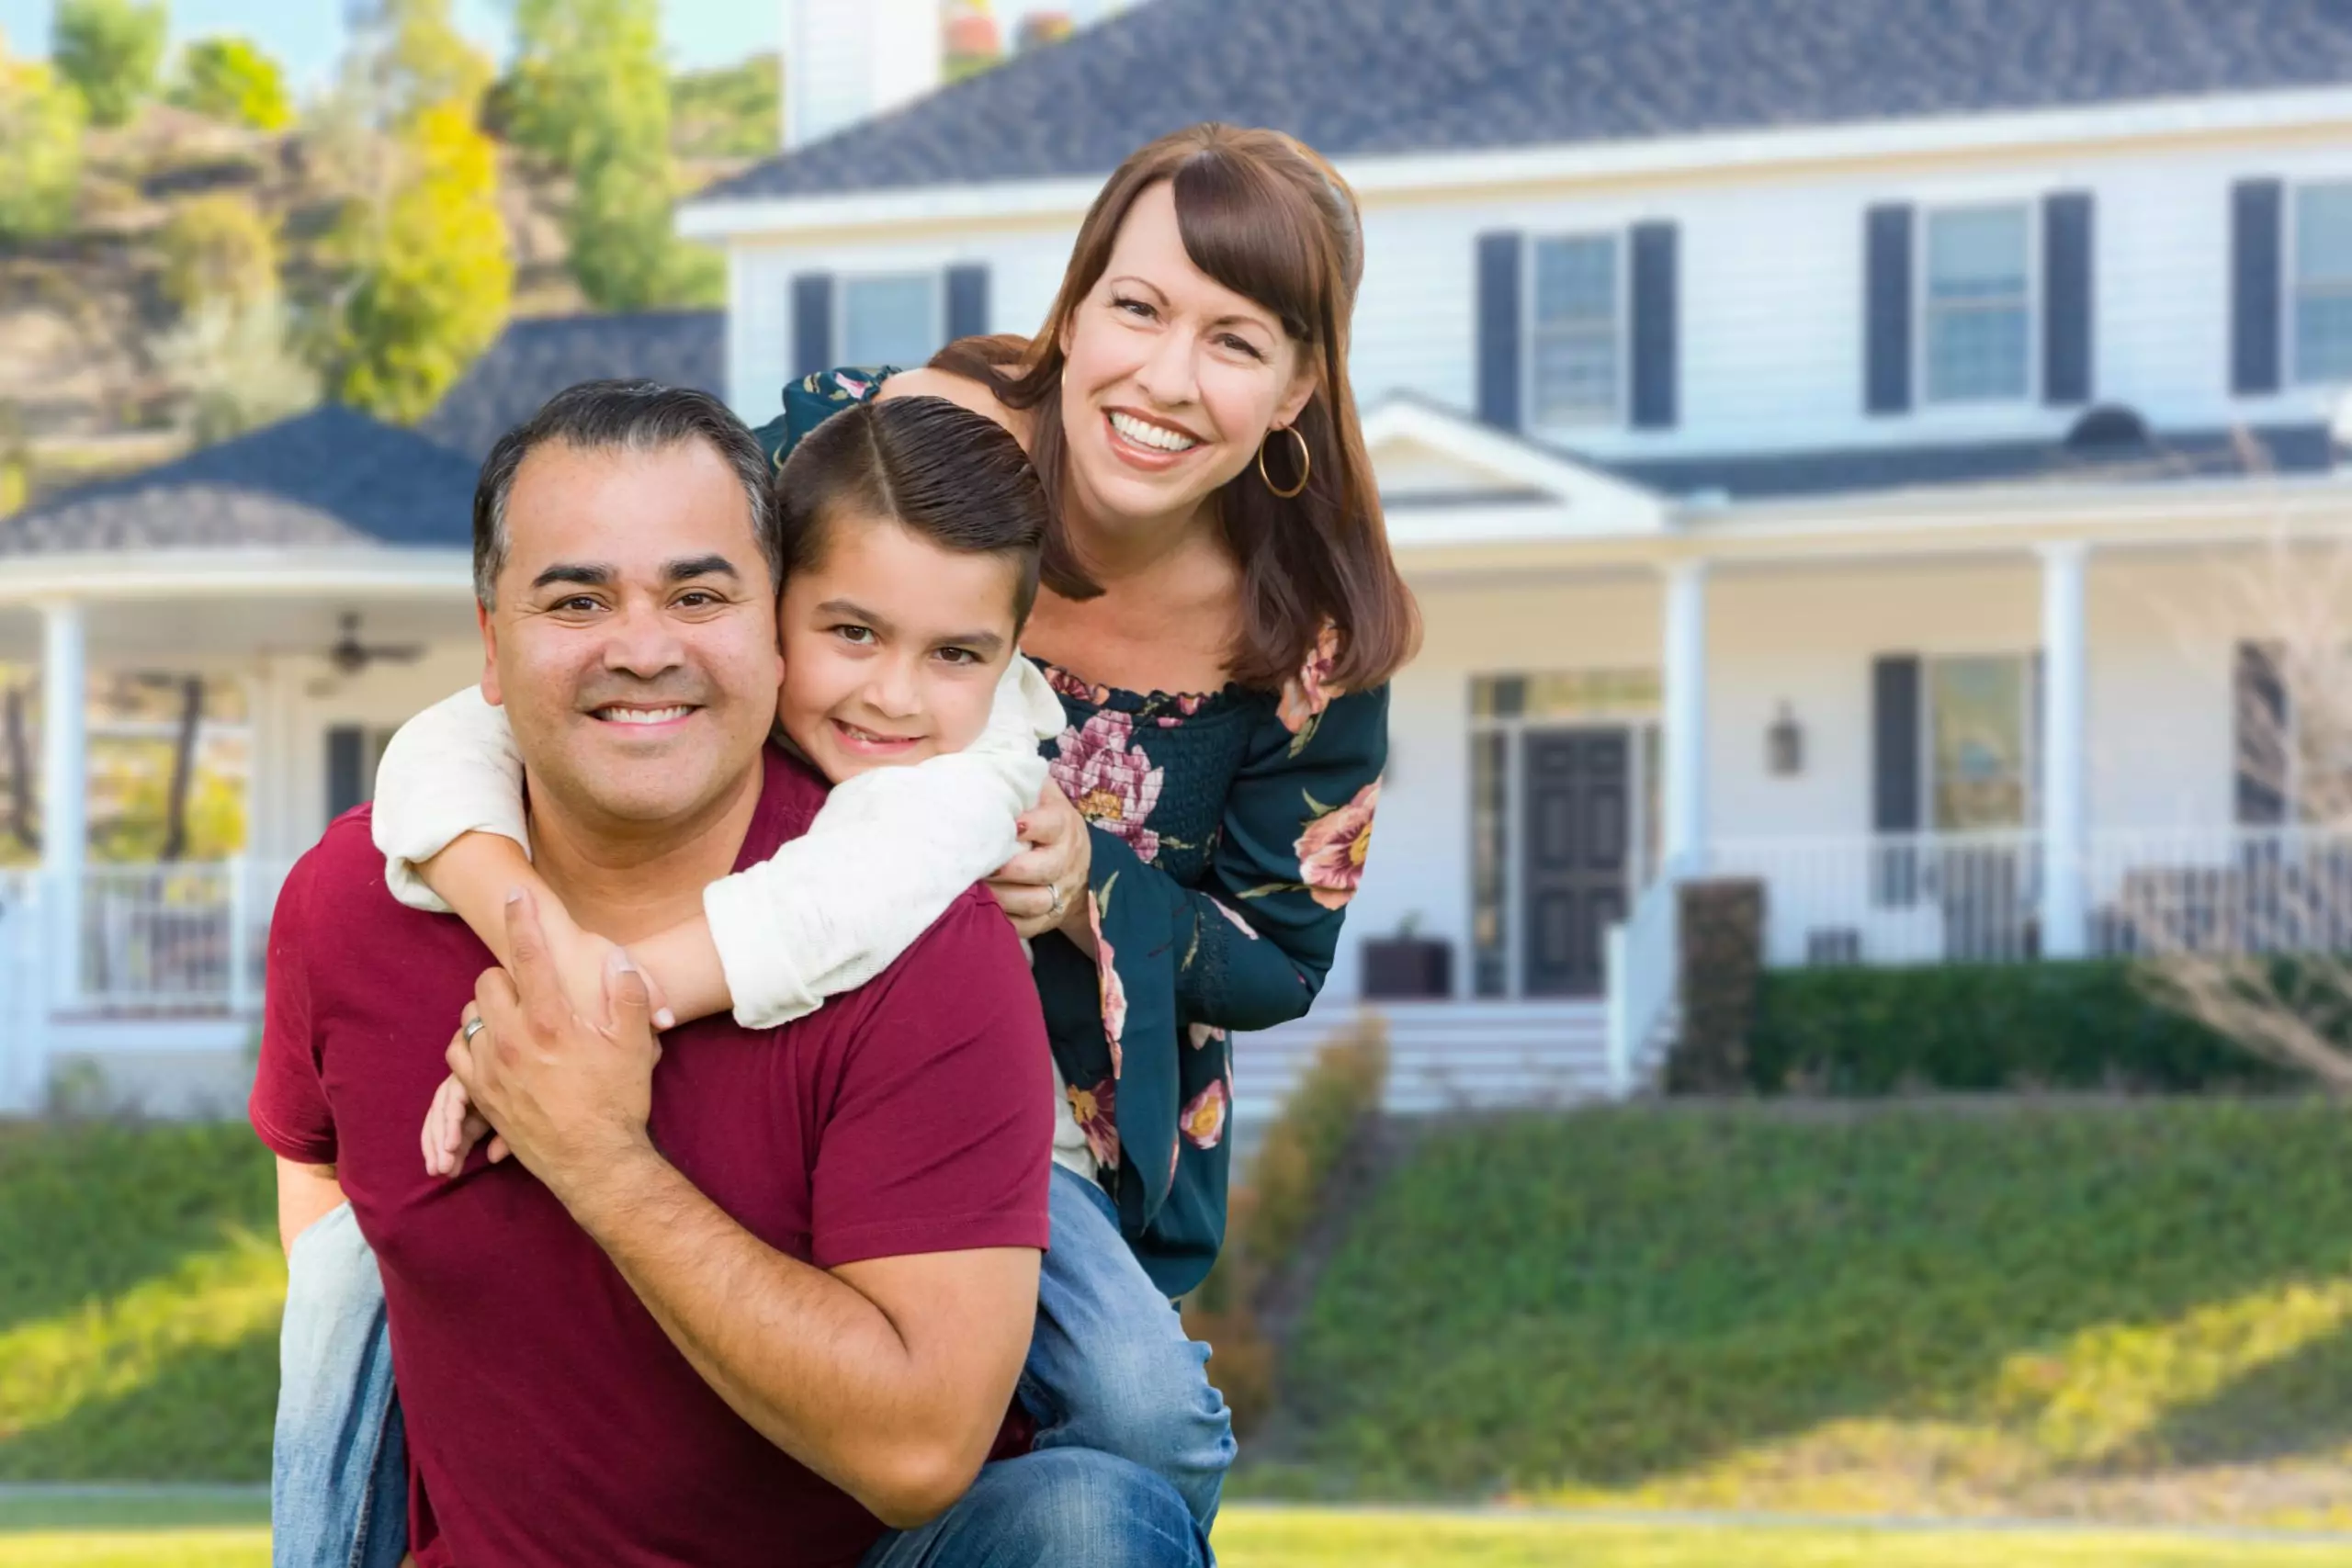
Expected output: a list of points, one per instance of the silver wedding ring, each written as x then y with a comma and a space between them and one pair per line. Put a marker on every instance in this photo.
1054, 891
474, 1026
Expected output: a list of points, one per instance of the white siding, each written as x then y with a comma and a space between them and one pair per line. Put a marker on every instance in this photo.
1770, 291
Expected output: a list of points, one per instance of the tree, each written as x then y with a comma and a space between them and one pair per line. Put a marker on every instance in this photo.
232, 79
2250, 932
218, 247
427, 251
237, 366
110, 50
590, 95
40, 150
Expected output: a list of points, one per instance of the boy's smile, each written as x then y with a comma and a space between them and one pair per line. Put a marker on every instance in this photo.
892, 647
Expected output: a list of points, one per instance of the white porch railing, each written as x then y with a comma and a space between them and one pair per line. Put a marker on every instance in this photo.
1644, 966
2229, 890
1891, 898
185, 938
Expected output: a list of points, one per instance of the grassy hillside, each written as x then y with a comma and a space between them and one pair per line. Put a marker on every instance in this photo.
140, 1288
2141, 1312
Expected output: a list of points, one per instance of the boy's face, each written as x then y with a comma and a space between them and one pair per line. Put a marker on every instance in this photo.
892, 647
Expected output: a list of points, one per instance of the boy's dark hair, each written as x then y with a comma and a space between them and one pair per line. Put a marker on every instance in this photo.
632, 416
934, 466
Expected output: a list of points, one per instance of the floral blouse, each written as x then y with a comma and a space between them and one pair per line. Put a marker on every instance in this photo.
1229, 830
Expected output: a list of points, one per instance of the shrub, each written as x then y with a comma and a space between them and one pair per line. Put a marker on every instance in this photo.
1271, 1213
40, 150
1979, 1027
232, 79
218, 249
109, 50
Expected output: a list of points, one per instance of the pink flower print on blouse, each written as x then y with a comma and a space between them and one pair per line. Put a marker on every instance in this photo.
1097, 1112
1308, 693
856, 387
1076, 686
1331, 850
1113, 783
1201, 1033
1203, 1123
1113, 989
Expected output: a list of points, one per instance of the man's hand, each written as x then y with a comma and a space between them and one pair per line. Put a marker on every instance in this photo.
572, 1100
581, 957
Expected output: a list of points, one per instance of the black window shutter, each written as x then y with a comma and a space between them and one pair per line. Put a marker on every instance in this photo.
813, 323
1654, 326
2067, 305
2255, 275
1895, 775
1886, 309
1498, 328
2259, 691
968, 301
346, 768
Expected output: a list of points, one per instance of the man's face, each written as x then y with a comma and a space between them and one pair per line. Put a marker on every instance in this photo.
633, 643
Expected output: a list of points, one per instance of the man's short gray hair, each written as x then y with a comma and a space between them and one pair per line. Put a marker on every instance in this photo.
619, 416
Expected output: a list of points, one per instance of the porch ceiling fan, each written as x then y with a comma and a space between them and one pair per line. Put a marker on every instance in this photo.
349, 656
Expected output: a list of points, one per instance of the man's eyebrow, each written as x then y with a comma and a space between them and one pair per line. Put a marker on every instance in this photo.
586, 574
687, 568
855, 612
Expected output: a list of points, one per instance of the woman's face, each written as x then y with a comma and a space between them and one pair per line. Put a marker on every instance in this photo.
1170, 379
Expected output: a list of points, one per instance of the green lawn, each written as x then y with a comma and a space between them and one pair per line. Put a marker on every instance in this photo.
1249, 1538
2137, 1311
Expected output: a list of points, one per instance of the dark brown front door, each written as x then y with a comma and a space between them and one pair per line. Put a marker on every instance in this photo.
1577, 787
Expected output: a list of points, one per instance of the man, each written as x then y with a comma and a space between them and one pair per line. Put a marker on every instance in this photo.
756, 1307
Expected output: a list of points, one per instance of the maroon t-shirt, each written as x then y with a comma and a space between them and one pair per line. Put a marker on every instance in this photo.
549, 1419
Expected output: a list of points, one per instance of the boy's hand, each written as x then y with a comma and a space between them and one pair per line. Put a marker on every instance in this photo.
580, 957
452, 1128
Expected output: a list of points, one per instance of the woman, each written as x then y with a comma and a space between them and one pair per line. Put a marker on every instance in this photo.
1219, 612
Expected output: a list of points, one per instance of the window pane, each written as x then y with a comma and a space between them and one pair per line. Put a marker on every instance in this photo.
890, 321
1489, 843
1977, 743
2323, 337
1575, 280
1575, 377
1977, 254
1976, 351
2323, 234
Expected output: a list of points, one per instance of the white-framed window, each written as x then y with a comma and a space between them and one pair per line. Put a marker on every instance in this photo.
1982, 743
889, 319
1576, 347
1976, 304
2319, 293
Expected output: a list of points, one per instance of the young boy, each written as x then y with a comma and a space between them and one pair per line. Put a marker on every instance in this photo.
911, 532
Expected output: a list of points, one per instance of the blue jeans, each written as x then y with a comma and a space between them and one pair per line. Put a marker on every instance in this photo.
1108, 1370
338, 1478
1063, 1507
1109, 1367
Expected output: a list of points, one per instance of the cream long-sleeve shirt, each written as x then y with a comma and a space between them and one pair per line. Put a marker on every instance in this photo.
884, 857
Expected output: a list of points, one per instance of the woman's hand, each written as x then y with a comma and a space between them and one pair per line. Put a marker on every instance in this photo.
1043, 889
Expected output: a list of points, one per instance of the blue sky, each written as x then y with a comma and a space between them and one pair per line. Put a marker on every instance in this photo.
307, 35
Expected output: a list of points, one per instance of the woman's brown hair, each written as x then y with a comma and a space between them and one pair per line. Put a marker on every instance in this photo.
1266, 216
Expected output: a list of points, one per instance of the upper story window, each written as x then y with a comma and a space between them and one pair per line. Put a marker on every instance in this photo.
1978, 304
1576, 331
2322, 286
892, 318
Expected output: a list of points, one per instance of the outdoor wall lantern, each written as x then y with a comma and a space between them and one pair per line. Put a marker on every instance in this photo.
1784, 745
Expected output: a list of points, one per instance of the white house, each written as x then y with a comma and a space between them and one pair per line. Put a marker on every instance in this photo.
1825, 436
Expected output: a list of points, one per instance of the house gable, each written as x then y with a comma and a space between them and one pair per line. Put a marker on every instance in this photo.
1439, 472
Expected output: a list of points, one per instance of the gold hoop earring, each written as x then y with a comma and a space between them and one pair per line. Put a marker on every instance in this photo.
1306, 462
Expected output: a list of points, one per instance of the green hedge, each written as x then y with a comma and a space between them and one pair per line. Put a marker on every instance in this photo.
2017, 1026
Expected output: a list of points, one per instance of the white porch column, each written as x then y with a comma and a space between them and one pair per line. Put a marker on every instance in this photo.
1684, 799
64, 789
2065, 714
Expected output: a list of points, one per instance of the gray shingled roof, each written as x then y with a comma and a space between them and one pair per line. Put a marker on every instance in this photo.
2169, 457
330, 477
534, 359
1387, 76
